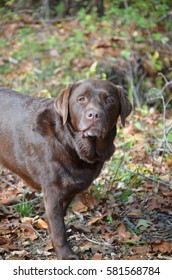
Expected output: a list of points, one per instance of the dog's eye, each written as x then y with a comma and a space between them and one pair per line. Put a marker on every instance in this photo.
109, 100
81, 99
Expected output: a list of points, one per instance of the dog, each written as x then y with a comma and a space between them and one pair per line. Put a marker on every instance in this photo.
59, 145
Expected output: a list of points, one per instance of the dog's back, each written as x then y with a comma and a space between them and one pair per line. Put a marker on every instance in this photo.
17, 112
12, 117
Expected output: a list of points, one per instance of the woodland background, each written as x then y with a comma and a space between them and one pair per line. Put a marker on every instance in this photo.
44, 45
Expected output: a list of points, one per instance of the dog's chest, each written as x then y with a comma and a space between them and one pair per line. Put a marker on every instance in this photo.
80, 177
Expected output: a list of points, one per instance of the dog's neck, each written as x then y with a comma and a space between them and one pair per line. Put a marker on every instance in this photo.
92, 149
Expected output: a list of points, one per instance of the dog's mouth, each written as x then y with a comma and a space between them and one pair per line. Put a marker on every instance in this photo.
92, 131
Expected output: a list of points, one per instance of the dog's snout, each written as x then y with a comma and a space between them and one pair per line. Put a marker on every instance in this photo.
93, 114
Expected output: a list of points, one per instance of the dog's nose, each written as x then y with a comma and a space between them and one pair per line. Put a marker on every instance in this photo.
93, 114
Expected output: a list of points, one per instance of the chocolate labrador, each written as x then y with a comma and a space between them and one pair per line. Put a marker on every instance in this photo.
59, 145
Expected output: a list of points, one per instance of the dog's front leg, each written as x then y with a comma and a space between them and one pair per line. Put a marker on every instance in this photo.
53, 199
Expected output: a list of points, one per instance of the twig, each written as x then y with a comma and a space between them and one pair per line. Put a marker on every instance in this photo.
168, 129
140, 82
28, 201
119, 166
133, 86
97, 242
162, 257
14, 187
164, 112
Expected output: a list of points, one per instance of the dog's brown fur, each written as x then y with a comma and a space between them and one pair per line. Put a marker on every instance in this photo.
59, 145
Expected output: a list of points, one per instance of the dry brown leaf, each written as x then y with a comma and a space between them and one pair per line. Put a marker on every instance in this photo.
130, 129
78, 206
141, 250
168, 194
85, 246
153, 203
41, 224
122, 233
148, 66
27, 231
94, 220
88, 198
27, 220
82, 62
135, 212
163, 247
33, 236
97, 256
3, 240
136, 237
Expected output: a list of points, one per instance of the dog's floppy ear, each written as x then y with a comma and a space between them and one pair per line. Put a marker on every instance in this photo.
126, 106
61, 103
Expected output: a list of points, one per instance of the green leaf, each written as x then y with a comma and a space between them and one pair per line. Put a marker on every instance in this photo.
110, 219
93, 67
169, 136
126, 54
143, 223
138, 125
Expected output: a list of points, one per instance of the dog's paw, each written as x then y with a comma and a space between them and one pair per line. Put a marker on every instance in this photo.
66, 253
72, 257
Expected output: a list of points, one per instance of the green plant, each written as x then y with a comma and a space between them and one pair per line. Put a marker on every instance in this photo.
110, 219
144, 14
98, 191
88, 20
23, 32
25, 208
125, 195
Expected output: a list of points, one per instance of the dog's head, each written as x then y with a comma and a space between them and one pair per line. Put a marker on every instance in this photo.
92, 107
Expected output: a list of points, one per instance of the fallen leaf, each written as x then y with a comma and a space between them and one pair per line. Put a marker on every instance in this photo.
163, 247
3, 240
143, 223
135, 213
149, 67
130, 129
41, 224
122, 233
20, 255
93, 220
97, 256
168, 194
78, 206
141, 251
153, 203
27, 220
43, 253
88, 198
